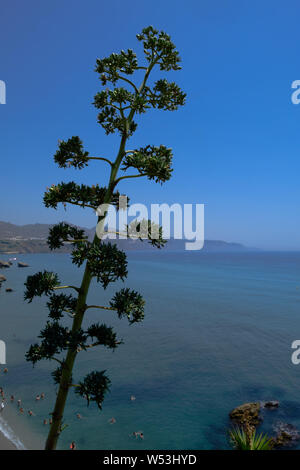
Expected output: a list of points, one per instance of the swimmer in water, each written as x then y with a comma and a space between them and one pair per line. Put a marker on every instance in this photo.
112, 421
73, 446
132, 398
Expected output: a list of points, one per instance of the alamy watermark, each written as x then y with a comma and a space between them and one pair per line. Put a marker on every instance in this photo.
179, 221
295, 358
2, 352
2, 92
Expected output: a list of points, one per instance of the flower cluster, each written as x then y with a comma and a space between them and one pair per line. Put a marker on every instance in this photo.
166, 95
155, 162
41, 283
57, 338
104, 335
94, 387
80, 195
71, 153
129, 303
159, 44
62, 232
146, 230
54, 340
106, 262
110, 67
59, 303
111, 121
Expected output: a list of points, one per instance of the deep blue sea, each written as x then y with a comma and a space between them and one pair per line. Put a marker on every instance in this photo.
217, 333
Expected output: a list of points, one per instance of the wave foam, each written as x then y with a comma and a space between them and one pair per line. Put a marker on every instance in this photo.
10, 435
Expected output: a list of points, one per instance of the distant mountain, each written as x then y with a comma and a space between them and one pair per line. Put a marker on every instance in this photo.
32, 238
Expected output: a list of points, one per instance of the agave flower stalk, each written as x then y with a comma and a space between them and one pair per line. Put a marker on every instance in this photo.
104, 262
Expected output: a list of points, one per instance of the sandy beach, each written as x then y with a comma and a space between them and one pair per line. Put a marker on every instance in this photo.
5, 444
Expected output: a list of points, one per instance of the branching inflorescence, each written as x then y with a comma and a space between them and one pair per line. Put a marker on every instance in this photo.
117, 106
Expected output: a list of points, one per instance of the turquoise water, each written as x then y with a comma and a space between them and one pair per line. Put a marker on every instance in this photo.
217, 333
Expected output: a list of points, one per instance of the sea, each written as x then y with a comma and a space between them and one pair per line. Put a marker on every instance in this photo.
217, 333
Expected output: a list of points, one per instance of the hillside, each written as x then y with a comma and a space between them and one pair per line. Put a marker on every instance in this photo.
32, 238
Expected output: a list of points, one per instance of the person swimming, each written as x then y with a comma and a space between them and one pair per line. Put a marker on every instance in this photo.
137, 434
112, 420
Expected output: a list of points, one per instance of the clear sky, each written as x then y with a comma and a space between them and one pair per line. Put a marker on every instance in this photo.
236, 142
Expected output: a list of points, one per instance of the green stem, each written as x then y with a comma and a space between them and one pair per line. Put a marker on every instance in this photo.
67, 367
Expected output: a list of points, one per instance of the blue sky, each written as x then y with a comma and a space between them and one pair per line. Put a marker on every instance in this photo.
236, 142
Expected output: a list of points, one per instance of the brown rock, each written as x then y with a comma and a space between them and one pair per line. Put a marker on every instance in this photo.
286, 436
22, 265
246, 415
4, 264
271, 404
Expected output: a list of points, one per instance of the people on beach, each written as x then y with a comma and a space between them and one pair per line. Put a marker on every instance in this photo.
30, 412
5, 370
19, 403
21, 410
2, 405
37, 398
